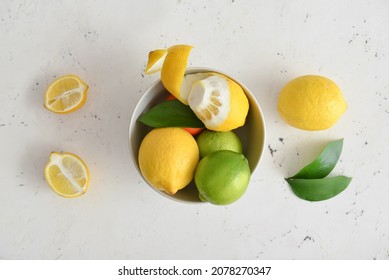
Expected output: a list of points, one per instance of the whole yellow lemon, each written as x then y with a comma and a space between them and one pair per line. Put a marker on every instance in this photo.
311, 102
168, 158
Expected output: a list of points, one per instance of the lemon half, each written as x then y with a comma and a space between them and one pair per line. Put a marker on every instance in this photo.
66, 94
67, 174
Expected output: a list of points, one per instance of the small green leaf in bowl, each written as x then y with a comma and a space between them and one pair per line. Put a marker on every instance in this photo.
319, 189
171, 113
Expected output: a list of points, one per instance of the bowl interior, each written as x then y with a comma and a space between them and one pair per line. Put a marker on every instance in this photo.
252, 134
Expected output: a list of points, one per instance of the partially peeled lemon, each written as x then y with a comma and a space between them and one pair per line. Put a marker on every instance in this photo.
219, 102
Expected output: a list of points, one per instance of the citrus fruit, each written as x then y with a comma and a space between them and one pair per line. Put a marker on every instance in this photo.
222, 177
168, 158
67, 174
213, 141
66, 94
155, 61
219, 102
311, 103
194, 130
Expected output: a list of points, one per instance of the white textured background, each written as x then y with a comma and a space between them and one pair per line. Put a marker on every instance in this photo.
264, 44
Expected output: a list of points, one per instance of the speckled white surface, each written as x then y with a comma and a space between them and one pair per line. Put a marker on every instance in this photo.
264, 44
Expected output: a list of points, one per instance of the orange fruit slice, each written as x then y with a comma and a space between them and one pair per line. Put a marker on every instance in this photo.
67, 174
66, 94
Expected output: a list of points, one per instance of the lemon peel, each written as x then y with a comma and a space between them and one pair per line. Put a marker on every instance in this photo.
172, 64
155, 61
173, 70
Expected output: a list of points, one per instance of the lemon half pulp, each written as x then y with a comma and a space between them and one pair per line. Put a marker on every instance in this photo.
66, 94
67, 174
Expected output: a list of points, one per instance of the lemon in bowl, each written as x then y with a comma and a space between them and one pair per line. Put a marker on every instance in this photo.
251, 134
168, 158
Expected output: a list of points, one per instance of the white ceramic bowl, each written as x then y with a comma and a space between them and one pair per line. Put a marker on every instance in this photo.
252, 134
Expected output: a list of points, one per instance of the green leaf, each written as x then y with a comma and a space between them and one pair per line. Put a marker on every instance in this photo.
319, 189
323, 164
171, 113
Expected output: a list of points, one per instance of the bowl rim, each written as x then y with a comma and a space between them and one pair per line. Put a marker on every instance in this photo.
191, 70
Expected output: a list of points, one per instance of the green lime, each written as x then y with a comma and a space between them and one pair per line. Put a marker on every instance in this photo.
222, 177
212, 141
